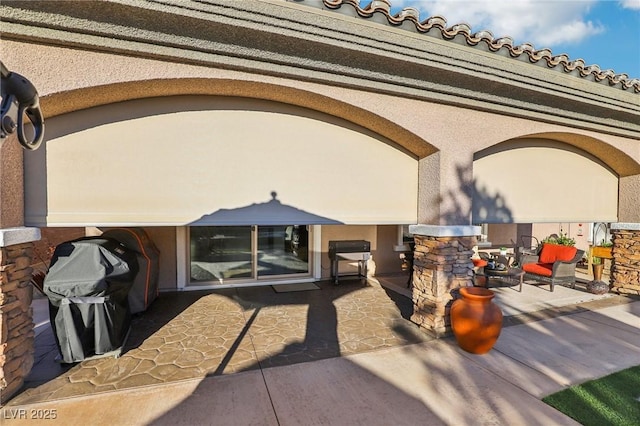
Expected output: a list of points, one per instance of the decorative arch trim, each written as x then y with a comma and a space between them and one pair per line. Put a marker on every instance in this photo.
79, 99
618, 161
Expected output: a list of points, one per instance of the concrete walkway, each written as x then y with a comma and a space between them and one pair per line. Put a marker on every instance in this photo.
432, 382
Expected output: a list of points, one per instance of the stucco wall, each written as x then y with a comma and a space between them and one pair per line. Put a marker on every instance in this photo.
347, 232
503, 234
164, 237
11, 177
388, 261
421, 127
630, 199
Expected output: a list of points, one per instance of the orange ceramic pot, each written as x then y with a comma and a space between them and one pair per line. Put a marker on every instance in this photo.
476, 321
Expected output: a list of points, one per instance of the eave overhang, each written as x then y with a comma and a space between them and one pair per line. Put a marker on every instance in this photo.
291, 40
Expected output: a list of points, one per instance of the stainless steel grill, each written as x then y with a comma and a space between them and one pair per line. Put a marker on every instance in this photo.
351, 251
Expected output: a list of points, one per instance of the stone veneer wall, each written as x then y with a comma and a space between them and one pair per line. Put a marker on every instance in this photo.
17, 335
625, 270
441, 265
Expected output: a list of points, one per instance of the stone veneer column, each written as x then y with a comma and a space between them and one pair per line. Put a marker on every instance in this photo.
441, 265
625, 269
17, 332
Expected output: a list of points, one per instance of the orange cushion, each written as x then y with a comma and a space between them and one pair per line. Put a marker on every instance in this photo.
479, 263
544, 269
554, 252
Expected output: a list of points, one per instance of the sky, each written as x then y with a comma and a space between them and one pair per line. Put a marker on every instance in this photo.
601, 32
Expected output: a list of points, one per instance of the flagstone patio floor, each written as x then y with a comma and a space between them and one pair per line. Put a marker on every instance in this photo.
195, 334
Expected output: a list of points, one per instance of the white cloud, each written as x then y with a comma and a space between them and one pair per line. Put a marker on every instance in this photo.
630, 4
544, 23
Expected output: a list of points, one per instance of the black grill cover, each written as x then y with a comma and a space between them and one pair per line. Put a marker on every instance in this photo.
145, 285
87, 285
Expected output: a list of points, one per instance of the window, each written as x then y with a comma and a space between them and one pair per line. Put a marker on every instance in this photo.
219, 254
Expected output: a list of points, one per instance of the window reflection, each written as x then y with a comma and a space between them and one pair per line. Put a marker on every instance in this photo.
220, 253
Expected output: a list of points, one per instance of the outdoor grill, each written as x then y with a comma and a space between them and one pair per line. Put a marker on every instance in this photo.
351, 251
88, 286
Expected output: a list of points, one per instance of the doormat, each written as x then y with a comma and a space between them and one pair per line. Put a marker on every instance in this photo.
286, 288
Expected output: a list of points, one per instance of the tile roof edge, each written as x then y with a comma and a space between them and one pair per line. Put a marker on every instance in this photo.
543, 56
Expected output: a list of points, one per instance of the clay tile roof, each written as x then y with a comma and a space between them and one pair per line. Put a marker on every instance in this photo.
560, 62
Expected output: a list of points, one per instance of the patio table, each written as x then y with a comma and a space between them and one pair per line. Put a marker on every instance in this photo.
509, 273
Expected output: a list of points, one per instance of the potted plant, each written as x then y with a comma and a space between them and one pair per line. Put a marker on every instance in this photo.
597, 286
598, 254
597, 266
603, 250
563, 240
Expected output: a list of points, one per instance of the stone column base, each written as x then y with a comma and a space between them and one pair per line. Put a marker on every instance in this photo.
442, 264
625, 268
17, 333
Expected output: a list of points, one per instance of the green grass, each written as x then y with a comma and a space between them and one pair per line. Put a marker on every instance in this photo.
610, 400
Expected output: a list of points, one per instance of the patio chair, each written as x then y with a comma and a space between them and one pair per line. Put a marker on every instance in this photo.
526, 247
478, 268
555, 264
479, 264
484, 256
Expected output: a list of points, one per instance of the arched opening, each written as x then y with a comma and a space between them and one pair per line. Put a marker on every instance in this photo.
539, 186
180, 160
177, 163
537, 180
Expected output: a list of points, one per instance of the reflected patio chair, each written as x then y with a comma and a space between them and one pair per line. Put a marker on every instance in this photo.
529, 246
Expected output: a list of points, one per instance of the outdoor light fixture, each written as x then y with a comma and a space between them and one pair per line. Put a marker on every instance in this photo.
20, 98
